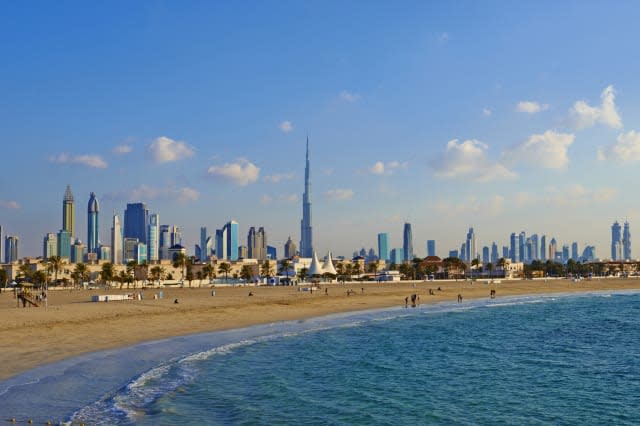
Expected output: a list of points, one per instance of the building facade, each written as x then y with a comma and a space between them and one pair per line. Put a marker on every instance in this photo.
93, 227
11, 249
407, 243
68, 212
136, 220
116, 241
290, 249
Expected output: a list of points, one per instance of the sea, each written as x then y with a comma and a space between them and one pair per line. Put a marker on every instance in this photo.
562, 359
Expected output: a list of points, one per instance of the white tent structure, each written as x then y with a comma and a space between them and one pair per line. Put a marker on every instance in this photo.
315, 268
327, 266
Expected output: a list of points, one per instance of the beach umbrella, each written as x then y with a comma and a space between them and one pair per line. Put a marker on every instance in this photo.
13, 284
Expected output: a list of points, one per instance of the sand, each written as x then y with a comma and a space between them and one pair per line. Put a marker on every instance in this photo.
73, 325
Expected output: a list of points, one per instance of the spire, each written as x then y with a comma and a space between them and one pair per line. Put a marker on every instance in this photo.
68, 195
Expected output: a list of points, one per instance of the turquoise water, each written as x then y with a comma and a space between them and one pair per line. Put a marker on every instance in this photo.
571, 360
531, 360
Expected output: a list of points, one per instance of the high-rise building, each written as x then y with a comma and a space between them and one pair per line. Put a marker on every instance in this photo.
50, 246
453, 254
431, 247
565, 253
535, 247
116, 241
397, 256
522, 241
589, 254
11, 249
68, 213
543, 248
169, 236
93, 227
553, 249
104, 252
486, 258
130, 249
306, 231
528, 250
272, 253
470, 246
153, 238
505, 252
232, 229
221, 243
136, 220
290, 249
257, 243
64, 244
383, 246
513, 247
616, 241
1, 242
494, 253
78, 251
574, 251
407, 243
626, 242
204, 254
141, 253
243, 252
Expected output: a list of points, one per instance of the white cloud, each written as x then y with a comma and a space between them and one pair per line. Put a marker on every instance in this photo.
468, 160
380, 168
349, 96
339, 194
122, 149
486, 207
548, 150
286, 126
146, 192
277, 178
626, 149
486, 112
570, 195
583, 115
12, 205
531, 107
166, 150
94, 161
443, 37
290, 198
242, 173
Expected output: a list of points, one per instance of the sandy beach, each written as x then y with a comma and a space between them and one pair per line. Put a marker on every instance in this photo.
73, 325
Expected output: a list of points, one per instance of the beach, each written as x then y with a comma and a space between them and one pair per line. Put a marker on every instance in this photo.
72, 325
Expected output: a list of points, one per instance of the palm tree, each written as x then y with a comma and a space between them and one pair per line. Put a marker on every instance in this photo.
340, 269
157, 272
209, 272
285, 267
82, 272
123, 277
39, 278
4, 277
372, 268
199, 276
55, 262
246, 273
131, 270
180, 260
224, 268
356, 269
303, 273
189, 275
490, 267
475, 263
266, 270
25, 272
501, 263
107, 273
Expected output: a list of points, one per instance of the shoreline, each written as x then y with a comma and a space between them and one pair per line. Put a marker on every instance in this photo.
74, 326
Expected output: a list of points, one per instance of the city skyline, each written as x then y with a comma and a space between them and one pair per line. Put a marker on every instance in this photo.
443, 119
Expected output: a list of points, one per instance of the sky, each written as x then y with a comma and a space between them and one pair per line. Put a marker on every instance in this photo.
504, 116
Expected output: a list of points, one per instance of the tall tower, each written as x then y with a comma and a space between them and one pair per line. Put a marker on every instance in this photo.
153, 238
92, 224
626, 242
116, 241
306, 233
383, 246
68, 212
407, 243
472, 251
616, 241
136, 220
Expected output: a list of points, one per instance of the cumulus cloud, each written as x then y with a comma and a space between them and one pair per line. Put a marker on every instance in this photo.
485, 206
469, 160
286, 126
569, 195
349, 96
147, 192
626, 149
531, 107
12, 205
380, 168
548, 150
94, 161
282, 198
242, 172
277, 178
122, 149
583, 115
339, 194
166, 150
486, 112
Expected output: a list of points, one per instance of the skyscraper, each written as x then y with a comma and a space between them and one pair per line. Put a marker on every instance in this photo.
616, 241
169, 236
470, 247
93, 224
136, 220
513, 247
543, 248
221, 243
64, 244
68, 212
11, 249
257, 243
535, 247
431, 247
306, 233
290, 249
153, 238
486, 257
50, 246
553, 248
494, 253
626, 242
522, 241
116, 241
383, 246
203, 244
231, 229
407, 243
574, 251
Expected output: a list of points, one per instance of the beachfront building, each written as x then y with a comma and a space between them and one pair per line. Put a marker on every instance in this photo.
290, 249
306, 230
136, 219
383, 246
93, 227
431, 248
64, 244
68, 212
11, 249
153, 238
616, 241
50, 245
116, 241
407, 243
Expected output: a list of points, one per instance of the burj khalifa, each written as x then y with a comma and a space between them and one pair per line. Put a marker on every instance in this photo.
306, 233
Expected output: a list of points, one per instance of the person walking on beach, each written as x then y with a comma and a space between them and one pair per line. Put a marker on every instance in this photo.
406, 302
459, 298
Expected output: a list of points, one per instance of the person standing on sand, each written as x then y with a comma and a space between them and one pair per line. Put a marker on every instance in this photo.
459, 298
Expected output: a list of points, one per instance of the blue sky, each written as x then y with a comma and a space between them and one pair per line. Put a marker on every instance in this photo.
505, 116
